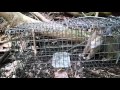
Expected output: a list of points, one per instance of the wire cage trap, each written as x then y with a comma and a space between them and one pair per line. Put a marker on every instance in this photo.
55, 48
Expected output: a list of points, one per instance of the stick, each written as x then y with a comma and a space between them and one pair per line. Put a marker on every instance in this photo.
5, 57
34, 43
97, 14
73, 13
40, 16
118, 58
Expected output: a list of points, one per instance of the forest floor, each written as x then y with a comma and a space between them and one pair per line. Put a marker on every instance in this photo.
33, 69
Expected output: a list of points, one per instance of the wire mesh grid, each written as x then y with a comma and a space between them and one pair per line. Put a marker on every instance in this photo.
39, 51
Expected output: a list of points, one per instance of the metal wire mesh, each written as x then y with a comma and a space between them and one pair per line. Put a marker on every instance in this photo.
38, 50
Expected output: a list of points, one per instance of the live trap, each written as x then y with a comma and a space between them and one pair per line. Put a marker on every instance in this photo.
53, 49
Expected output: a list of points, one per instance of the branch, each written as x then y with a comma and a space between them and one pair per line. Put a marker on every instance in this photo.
16, 18
40, 16
73, 13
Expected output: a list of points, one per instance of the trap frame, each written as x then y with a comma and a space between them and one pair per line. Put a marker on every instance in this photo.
37, 50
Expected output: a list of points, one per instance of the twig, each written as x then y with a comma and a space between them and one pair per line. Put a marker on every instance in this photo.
89, 14
84, 14
96, 14
113, 74
5, 57
40, 16
54, 13
35, 50
4, 50
118, 58
35, 16
73, 13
